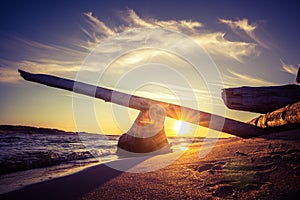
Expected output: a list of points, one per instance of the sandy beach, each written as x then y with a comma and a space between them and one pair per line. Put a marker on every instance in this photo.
266, 167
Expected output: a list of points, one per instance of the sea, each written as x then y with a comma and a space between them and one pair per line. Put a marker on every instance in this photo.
28, 157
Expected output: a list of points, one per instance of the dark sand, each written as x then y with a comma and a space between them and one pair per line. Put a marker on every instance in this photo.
259, 168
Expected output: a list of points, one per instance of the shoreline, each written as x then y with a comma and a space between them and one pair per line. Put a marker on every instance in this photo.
265, 167
38, 175
22, 178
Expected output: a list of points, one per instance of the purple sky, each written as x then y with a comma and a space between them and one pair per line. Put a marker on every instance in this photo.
252, 43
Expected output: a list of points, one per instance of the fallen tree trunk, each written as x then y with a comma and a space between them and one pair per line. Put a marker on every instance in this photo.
286, 115
260, 99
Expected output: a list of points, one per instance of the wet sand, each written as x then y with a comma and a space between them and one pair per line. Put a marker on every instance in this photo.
266, 167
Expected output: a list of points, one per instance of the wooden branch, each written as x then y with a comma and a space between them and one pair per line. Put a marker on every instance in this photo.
201, 118
260, 99
289, 114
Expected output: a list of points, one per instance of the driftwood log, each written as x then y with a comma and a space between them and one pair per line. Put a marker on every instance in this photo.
197, 117
287, 115
260, 99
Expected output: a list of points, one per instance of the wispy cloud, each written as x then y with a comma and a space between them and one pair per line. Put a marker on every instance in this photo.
184, 26
67, 58
215, 43
97, 29
243, 26
291, 69
7, 75
238, 79
39, 57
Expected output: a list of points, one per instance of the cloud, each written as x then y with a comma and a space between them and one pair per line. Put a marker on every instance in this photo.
237, 79
240, 24
97, 29
132, 20
243, 25
291, 69
39, 58
215, 43
7, 75
67, 57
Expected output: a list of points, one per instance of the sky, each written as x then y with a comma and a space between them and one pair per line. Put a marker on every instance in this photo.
253, 43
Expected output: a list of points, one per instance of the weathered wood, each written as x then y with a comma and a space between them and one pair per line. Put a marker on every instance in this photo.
298, 76
147, 135
260, 99
201, 118
286, 115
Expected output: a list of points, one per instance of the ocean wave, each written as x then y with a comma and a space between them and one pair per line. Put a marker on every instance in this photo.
31, 160
23, 151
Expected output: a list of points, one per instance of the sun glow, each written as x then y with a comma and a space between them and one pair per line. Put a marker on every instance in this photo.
182, 127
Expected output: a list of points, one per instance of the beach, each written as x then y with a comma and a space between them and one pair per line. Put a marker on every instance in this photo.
266, 167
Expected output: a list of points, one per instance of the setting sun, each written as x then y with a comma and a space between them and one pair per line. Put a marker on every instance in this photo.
182, 127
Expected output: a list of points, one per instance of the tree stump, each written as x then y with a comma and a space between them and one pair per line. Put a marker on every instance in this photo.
147, 134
